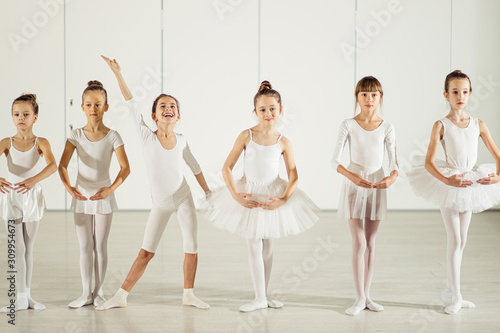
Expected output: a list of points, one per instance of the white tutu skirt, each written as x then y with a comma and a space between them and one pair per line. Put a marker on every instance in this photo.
296, 216
29, 206
357, 202
475, 198
92, 207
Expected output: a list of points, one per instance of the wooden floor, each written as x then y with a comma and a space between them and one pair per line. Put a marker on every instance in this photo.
311, 274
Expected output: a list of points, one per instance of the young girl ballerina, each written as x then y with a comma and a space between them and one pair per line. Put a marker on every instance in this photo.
363, 196
457, 185
21, 199
164, 151
261, 206
93, 198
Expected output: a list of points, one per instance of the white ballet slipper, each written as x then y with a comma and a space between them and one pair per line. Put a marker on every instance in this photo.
374, 307
272, 303
81, 301
354, 310
254, 305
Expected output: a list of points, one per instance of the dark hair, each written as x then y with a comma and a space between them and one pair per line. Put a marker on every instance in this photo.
266, 89
27, 98
155, 103
455, 75
95, 86
368, 83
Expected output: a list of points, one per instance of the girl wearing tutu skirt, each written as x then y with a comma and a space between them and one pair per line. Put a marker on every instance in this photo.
458, 186
164, 153
363, 193
261, 206
93, 198
21, 199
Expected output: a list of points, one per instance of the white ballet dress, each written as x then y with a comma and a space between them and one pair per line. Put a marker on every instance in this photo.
460, 148
366, 151
21, 165
94, 159
261, 178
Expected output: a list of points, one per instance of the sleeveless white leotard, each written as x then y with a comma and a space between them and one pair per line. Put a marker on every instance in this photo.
94, 159
261, 178
460, 148
21, 165
366, 152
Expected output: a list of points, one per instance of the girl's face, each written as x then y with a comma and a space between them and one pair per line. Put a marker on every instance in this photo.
94, 105
458, 94
268, 110
23, 115
369, 100
166, 111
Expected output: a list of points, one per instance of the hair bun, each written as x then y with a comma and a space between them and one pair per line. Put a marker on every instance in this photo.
265, 85
95, 83
457, 71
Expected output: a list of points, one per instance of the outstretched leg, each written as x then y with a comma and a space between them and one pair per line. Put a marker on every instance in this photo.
101, 233
358, 265
257, 271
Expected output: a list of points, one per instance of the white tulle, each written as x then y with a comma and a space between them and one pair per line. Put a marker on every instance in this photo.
29, 206
296, 216
475, 198
357, 202
92, 207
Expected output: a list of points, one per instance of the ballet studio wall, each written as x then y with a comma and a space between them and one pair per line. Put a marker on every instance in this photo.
212, 55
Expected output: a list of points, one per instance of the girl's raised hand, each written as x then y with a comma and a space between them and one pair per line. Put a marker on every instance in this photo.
25, 185
103, 193
243, 200
492, 178
112, 64
359, 181
385, 182
5, 186
273, 204
457, 181
76, 194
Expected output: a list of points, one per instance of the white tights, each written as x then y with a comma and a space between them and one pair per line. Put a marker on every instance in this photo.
260, 257
456, 225
92, 232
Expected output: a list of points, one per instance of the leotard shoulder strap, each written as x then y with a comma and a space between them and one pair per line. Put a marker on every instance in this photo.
250, 131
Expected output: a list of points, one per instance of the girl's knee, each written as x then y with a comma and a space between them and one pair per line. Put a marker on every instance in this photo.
145, 255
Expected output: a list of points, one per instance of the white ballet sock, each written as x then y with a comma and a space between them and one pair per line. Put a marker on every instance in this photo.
254, 305
354, 310
119, 300
188, 298
275, 304
20, 304
456, 304
372, 306
81, 301
32, 303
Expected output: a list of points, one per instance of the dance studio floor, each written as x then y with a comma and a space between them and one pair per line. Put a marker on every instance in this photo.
311, 274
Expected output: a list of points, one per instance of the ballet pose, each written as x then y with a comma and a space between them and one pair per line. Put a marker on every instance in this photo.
363, 195
458, 186
21, 199
93, 198
164, 152
261, 206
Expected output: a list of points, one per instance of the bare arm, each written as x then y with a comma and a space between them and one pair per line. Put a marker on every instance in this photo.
121, 81
203, 183
5, 186
29, 183
293, 177
104, 192
63, 172
493, 149
436, 135
227, 171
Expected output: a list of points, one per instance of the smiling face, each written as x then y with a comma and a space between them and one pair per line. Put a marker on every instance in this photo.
94, 105
166, 110
268, 110
369, 100
458, 93
23, 115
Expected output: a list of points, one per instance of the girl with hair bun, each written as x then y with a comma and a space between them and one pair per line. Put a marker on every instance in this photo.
93, 198
261, 206
21, 199
164, 153
363, 195
458, 186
